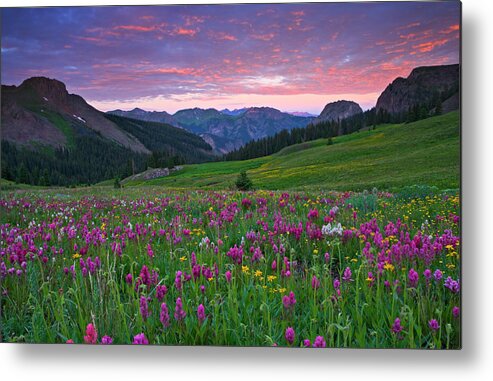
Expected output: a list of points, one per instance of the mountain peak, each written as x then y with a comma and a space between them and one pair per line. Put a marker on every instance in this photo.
45, 85
337, 111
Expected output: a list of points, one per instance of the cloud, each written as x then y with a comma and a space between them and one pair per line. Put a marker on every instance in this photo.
268, 51
430, 45
136, 28
185, 32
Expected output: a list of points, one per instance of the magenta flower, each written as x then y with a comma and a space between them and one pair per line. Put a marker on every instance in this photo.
337, 283
145, 276
346, 276
228, 276
289, 300
201, 313
164, 315
178, 283
452, 285
140, 339
396, 327
438, 275
106, 340
129, 279
433, 324
144, 307
179, 312
312, 214
319, 342
315, 283
161, 291
427, 274
91, 336
307, 343
289, 335
413, 278
150, 252
456, 312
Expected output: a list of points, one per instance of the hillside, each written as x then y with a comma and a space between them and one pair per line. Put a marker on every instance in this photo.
391, 156
52, 137
224, 130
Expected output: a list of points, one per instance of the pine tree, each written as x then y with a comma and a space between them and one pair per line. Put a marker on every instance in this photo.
243, 183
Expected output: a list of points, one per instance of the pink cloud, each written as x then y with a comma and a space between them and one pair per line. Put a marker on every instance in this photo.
430, 45
185, 32
136, 28
450, 29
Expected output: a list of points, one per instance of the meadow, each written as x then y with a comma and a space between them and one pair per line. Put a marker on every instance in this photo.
147, 265
390, 157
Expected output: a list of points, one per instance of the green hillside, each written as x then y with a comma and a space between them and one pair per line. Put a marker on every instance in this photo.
426, 152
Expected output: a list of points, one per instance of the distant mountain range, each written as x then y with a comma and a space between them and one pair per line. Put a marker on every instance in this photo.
224, 130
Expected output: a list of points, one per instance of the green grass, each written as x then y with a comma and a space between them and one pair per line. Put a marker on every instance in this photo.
390, 157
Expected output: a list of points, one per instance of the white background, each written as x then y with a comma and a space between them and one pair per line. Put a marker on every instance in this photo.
474, 361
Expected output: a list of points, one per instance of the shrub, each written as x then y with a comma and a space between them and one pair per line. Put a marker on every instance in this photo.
243, 183
117, 184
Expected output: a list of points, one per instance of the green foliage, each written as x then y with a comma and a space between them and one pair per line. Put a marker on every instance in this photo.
330, 141
116, 183
365, 202
243, 183
417, 191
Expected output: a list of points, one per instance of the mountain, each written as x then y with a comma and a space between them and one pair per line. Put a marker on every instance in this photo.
426, 86
338, 111
225, 131
148, 116
302, 113
49, 133
234, 112
42, 110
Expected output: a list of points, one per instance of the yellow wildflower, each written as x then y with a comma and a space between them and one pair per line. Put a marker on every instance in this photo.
389, 266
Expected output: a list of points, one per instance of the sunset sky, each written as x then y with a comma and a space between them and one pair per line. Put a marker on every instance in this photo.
294, 57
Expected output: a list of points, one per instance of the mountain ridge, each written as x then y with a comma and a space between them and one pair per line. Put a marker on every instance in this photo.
224, 131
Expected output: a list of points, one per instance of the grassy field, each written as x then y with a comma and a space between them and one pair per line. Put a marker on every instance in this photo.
389, 157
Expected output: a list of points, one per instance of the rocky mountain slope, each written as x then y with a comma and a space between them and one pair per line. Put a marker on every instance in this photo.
423, 86
338, 111
42, 110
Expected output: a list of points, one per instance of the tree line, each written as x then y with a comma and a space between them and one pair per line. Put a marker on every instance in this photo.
432, 105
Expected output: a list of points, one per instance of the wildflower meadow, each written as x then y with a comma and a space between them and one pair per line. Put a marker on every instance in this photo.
260, 268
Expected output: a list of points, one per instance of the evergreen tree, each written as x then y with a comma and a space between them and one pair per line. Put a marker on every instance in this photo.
243, 182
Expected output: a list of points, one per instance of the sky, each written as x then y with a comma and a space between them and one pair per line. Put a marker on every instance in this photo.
294, 57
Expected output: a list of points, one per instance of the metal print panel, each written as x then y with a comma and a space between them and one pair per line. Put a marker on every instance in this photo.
236, 175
